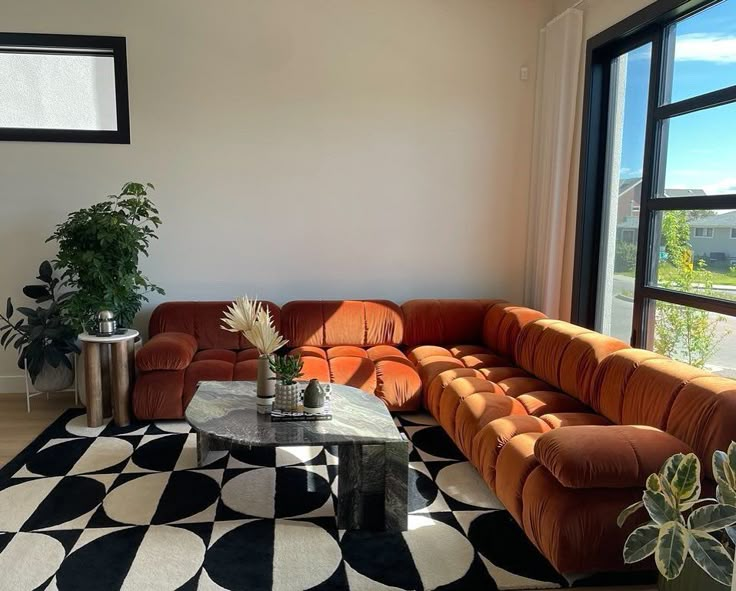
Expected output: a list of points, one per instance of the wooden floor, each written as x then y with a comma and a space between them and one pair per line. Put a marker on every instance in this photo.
18, 427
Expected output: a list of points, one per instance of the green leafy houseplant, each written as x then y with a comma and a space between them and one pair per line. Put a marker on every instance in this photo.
41, 336
99, 251
679, 528
287, 368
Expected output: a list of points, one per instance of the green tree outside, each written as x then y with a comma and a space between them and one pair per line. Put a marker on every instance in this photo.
684, 333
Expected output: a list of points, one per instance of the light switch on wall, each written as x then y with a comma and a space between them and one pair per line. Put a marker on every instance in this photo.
524, 73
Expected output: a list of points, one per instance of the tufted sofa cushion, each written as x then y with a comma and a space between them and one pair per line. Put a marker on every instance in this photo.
342, 322
202, 320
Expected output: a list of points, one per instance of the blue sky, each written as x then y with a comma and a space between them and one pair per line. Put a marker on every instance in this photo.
702, 146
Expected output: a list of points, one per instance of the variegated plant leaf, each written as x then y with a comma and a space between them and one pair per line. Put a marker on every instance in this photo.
726, 495
641, 543
667, 491
731, 532
653, 483
659, 509
686, 482
712, 518
690, 504
669, 468
672, 545
628, 512
722, 470
732, 460
711, 556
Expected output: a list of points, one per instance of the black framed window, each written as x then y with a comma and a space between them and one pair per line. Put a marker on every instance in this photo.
63, 88
655, 259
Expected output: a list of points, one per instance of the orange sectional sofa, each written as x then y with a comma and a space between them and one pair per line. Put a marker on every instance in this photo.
563, 424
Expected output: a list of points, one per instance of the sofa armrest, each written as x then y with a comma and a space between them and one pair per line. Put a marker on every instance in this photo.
605, 456
167, 351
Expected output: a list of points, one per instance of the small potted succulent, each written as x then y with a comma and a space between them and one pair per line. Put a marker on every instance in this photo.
286, 369
691, 538
42, 336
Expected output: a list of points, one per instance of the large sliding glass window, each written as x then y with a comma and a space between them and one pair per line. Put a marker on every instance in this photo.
656, 258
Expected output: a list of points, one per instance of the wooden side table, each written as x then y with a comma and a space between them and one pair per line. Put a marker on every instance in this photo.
95, 351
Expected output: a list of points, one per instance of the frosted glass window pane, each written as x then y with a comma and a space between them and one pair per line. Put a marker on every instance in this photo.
52, 91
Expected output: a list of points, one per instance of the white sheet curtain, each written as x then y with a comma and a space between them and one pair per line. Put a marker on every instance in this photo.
560, 56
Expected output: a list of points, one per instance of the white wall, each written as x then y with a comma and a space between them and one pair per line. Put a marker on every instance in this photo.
301, 149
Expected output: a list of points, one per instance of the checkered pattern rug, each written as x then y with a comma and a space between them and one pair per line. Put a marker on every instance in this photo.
113, 508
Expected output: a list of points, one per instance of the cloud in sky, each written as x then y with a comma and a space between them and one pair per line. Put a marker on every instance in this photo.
725, 186
706, 47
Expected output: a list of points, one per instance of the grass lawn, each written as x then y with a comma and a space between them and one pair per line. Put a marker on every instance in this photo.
720, 276
666, 271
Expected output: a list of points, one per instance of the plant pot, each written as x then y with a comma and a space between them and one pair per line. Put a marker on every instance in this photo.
691, 578
287, 396
53, 379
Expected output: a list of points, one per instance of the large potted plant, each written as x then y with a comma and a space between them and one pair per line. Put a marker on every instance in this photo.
691, 538
99, 251
43, 338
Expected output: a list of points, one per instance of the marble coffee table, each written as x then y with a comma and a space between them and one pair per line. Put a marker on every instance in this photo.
373, 457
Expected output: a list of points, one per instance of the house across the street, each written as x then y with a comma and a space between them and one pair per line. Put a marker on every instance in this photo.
713, 238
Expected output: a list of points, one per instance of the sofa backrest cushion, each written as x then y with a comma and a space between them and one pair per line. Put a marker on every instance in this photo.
360, 323
609, 382
203, 321
704, 416
582, 357
444, 322
637, 387
503, 323
541, 346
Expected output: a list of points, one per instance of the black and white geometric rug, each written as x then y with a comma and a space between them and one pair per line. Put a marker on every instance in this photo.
109, 508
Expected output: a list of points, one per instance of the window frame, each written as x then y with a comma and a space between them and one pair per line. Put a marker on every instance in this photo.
707, 232
116, 46
649, 25
733, 233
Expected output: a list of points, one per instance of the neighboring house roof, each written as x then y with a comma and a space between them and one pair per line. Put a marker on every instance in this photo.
627, 184
723, 220
684, 193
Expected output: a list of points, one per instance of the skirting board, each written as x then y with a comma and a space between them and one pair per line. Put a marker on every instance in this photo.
17, 385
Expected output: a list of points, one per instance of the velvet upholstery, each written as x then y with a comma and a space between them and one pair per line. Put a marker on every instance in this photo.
615, 456
203, 321
444, 322
342, 322
168, 351
563, 423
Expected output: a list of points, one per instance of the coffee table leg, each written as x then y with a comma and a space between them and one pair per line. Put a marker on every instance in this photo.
349, 486
372, 486
203, 448
396, 491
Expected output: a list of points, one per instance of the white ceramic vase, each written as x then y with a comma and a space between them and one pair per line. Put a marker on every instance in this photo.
265, 386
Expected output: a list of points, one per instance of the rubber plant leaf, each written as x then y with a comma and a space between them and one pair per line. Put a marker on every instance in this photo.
641, 543
710, 555
672, 545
